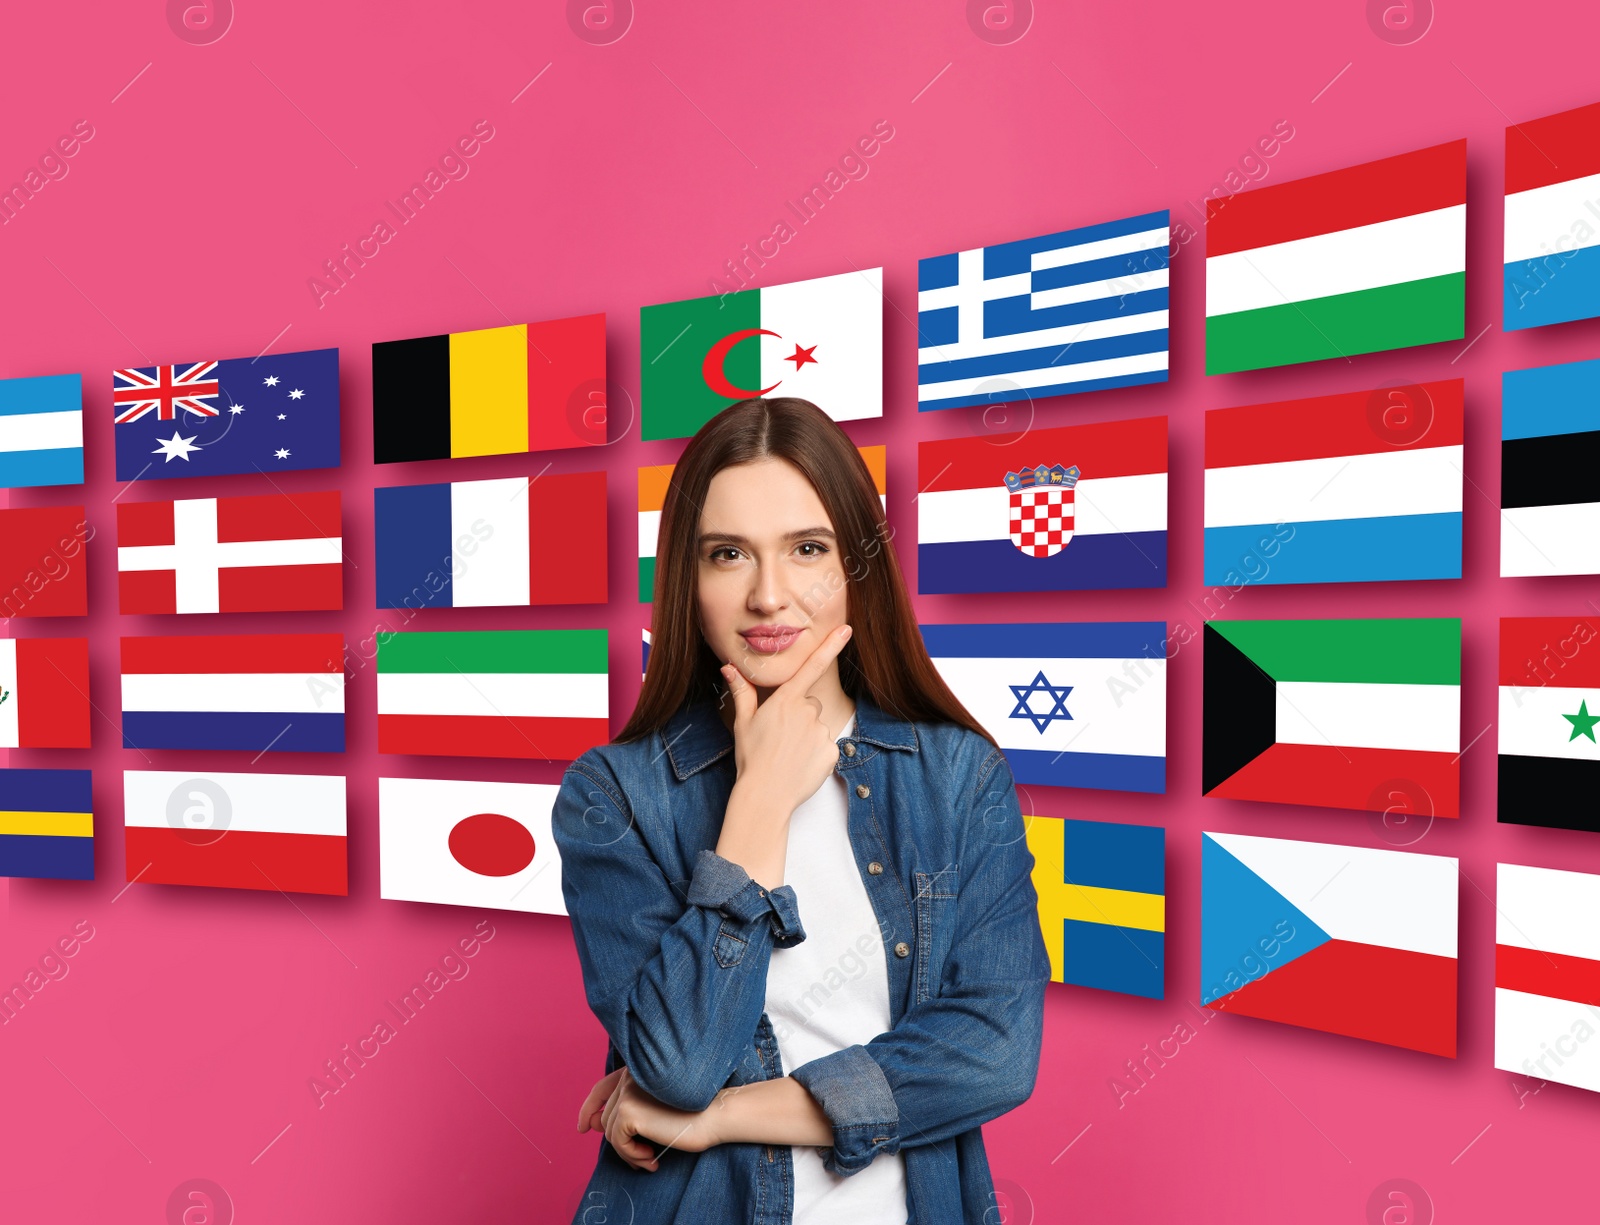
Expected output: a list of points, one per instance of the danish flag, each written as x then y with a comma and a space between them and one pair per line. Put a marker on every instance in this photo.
166, 390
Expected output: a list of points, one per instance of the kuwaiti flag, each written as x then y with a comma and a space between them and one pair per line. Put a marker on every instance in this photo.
46, 824
511, 541
1346, 939
1549, 721
41, 431
1552, 266
820, 340
236, 831
1547, 974
1356, 487
1339, 714
469, 844
1073, 508
272, 552
1073, 704
1353, 261
654, 482
1080, 310
282, 693
1550, 470
44, 693
495, 693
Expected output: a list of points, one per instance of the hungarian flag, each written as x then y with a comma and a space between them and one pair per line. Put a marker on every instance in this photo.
657, 478
494, 391
1550, 470
542, 694
46, 824
469, 844
42, 570
272, 552
44, 693
41, 431
1547, 974
236, 831
1549, 721
1075, 508
1552, 266
1346, 939
1339, 714
1353, 261
820, 340
474, 544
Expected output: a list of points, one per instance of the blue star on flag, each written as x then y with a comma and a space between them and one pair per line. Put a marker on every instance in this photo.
1057, 694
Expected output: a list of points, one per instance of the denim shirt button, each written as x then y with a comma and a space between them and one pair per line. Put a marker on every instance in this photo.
902, 949
849, 749
863, 790
875, 868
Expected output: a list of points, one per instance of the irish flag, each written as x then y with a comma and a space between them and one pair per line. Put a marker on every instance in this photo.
654, 482
820, 340
1353, 261
1549, 721
540, 694
1338, 714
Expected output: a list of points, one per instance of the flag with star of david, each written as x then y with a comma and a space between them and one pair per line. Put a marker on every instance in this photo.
1071, 703
269, 413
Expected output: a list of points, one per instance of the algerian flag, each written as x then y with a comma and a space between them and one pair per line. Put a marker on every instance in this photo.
469, 844
820, 340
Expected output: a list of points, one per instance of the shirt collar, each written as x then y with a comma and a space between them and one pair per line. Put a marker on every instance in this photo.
695, 736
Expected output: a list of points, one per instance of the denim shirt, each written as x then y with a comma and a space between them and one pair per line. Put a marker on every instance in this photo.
674, 942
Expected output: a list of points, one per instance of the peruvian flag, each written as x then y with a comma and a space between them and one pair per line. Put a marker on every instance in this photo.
44, 693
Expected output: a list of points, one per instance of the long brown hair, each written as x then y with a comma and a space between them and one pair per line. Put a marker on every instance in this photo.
885, 659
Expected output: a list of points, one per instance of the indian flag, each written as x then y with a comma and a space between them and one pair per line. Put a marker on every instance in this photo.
1353, 261
653, 484
1340, 714
541, 694
821, 340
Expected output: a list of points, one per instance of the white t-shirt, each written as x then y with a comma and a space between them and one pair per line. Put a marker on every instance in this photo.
831, 991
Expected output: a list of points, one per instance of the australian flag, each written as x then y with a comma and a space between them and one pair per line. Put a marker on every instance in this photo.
221, 417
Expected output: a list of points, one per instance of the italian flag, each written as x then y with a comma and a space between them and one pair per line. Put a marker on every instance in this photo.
539, 694
820, 340
1353, 261
1339, 714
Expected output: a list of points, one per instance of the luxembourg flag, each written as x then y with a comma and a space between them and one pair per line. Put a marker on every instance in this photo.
257, 692
477, 544
1358, 487
1552, 264
1073, 704
1080, 507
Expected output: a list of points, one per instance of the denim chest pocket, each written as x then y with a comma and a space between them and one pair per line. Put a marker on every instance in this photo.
935, 900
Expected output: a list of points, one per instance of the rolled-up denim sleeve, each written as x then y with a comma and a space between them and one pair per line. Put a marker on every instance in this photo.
970, 1052
678, 980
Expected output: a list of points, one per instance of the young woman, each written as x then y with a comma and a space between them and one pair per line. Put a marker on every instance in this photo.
798, 879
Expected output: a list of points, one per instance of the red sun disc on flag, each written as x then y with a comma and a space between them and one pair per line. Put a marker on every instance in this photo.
491, 844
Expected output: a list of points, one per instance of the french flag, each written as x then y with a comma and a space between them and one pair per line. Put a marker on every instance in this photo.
256, 692
1552, 247
993, 518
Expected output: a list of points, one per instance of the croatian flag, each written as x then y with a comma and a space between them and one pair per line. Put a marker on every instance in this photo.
1552, 248
1072, 704
1076, 508
256, 692
1081, 310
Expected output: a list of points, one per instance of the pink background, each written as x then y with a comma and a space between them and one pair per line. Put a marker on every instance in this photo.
180, 1043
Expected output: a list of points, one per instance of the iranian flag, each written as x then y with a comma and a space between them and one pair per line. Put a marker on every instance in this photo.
820, 340
1359, 260
1340, 714
1549, 721
541, 694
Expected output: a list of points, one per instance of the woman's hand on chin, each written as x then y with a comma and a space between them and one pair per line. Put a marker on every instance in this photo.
631, 1119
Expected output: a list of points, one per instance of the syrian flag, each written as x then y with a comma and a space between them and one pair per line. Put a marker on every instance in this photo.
236, 831
44, 693
1359, 260
1338, 714
1072, 704
469, 844
1550, 470
1547, 974
1549, 721
1079, 507
820, 340
541, 694
1552, 267
1346, 939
